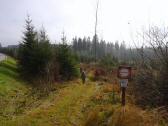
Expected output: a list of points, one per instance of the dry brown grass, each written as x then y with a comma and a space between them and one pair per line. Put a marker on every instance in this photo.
122, 116
93, 119
111, 87
99, 115
126, 117
134, 116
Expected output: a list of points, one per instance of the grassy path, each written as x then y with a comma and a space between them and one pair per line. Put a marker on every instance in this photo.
64, 108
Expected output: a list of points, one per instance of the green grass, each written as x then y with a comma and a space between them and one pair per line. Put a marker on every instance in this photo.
12, 89
9, 80
19, 106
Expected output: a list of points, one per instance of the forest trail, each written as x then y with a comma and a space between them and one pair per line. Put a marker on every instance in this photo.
63, 107
69, 104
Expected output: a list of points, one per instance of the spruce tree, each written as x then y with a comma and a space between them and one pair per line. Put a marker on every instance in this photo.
67, 61
27, 50
44, 51
34, 52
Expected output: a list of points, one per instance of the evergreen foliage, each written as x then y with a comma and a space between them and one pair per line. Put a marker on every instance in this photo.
34, 52
88, 50
146, 89
38, 59
67, 61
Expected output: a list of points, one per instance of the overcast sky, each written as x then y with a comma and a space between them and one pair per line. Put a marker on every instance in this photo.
117, 19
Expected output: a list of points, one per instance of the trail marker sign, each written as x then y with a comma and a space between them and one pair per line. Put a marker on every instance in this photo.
124, 72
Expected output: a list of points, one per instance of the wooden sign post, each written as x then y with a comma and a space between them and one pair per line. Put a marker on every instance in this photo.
124, 73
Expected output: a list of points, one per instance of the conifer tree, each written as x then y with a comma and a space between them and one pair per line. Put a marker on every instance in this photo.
33, 53
44, 51
67, 60
27, 50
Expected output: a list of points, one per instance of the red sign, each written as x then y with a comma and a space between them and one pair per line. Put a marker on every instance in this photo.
124, 72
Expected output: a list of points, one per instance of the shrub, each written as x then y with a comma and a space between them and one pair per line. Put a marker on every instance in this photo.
145, 88
150, 86
163, 85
